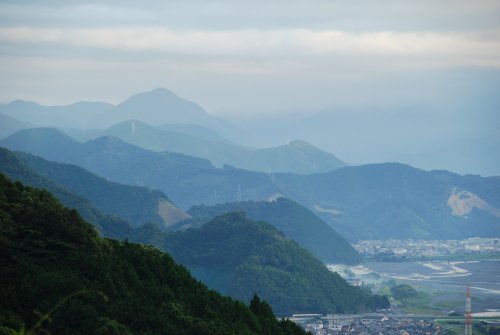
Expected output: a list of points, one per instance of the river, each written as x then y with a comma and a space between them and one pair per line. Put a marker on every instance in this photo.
446, 281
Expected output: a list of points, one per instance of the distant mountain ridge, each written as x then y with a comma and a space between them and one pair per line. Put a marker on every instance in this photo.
296, 157
384, 200
194, 130
391, 199
75, 115
10, 125
156, 107
160, 120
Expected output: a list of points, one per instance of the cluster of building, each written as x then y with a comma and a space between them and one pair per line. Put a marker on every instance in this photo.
367, 324
427, 248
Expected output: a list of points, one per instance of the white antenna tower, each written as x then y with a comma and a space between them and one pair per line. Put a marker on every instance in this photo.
239, 192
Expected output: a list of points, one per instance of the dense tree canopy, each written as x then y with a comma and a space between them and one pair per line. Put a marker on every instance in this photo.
51, 260
239, 257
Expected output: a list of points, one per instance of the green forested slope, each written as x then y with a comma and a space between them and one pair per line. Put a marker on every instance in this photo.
239, 257
134, 204
108, 225
296, 221
51, 259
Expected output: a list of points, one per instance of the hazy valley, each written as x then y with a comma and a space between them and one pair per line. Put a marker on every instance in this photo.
159, 170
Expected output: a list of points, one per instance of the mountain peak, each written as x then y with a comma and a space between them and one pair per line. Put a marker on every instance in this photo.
301, 144
162, 90
33, 134
157, 96
156, 107
108, 142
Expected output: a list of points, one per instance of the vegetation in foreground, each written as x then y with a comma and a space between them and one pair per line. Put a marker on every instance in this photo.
239, 256
293, 219
55, 264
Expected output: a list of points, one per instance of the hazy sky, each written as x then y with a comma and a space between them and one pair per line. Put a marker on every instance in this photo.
251, 56
367, 80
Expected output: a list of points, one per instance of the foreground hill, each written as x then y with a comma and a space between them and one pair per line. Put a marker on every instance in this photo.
239, 257
134, 204
382, 200
294, 220
53, 262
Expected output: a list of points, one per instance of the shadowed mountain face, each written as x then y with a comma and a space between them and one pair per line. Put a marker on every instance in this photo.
384, 200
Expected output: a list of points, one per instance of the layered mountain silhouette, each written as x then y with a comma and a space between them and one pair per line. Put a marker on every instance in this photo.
167, 111
109, 225
160, 120
197, 131
296, 157
79, 188
10, 125
384, 200
76, 115
157, 107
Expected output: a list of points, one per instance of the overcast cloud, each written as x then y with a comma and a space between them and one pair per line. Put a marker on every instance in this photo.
234, 44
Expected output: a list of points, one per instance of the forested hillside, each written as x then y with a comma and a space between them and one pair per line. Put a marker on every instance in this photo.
55, 264
134, 204
294, 220
239, 257
108, 225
